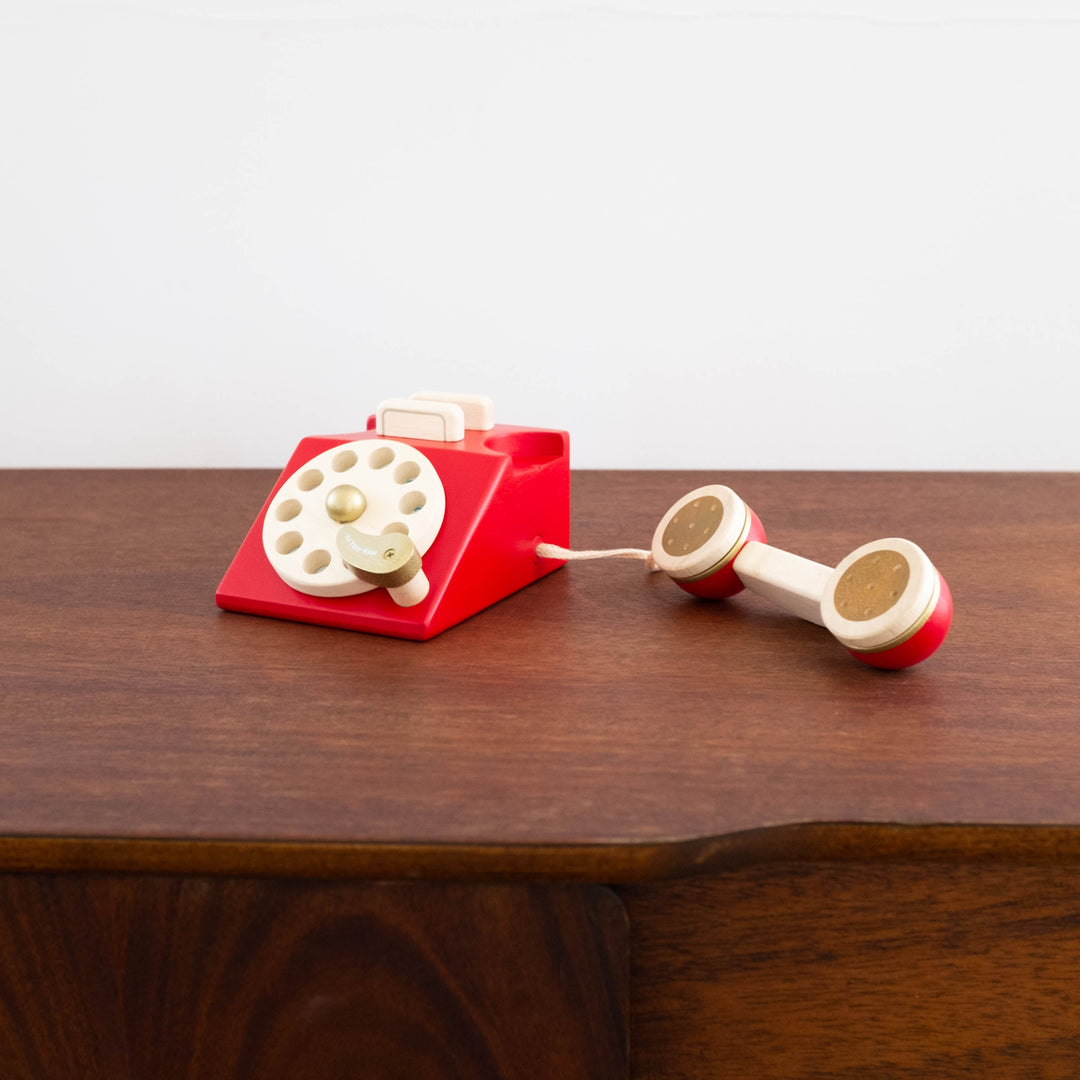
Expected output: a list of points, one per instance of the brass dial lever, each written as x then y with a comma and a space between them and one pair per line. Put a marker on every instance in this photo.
390, 560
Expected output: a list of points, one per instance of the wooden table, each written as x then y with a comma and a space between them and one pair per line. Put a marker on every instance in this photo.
599, 830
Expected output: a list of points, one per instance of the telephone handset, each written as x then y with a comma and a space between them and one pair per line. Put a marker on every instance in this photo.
427, 517
885, 602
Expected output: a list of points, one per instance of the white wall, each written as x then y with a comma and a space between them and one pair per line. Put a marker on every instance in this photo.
705, 234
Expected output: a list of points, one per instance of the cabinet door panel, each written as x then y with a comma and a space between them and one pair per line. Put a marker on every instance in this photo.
190, 978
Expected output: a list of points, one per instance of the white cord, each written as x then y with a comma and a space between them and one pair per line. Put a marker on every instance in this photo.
553, 551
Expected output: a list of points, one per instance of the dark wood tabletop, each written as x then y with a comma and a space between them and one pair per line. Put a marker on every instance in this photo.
600, 724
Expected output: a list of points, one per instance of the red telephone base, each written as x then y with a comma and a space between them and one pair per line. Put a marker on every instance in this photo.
506, 489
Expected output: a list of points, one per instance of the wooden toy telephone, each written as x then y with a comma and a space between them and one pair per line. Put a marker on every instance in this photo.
435, 512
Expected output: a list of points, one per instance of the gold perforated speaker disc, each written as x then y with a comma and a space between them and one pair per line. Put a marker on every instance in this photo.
700, 533
879, 594
872, 585
692, 525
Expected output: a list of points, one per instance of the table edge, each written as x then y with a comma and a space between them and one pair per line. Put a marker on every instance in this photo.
604, 863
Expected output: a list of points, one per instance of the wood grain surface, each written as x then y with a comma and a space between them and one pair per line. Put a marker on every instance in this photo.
600, 723
893, 971
151, 978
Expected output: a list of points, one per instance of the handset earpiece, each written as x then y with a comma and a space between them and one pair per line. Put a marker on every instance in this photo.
885, 603
697, 540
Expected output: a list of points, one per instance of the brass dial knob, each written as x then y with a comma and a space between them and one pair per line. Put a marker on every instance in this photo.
345, 503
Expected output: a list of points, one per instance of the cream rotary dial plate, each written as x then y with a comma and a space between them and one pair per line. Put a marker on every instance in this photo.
377, 485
